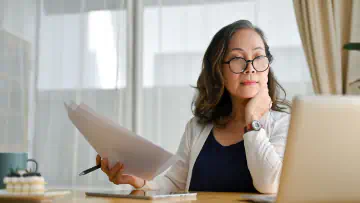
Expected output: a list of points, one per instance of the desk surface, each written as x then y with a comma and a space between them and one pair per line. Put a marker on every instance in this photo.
79, 196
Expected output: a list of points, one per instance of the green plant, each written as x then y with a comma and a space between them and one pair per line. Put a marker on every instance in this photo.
356, 47
352, 46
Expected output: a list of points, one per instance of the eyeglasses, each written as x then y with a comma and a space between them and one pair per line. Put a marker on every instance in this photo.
238, 64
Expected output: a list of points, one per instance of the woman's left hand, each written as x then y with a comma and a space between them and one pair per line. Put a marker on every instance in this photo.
258, 105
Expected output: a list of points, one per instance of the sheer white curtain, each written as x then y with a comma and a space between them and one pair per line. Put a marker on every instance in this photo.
82, 57
176, 34
17, 34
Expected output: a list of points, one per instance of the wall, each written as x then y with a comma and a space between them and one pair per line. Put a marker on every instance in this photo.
14, 71
2, 10
20, 18
17, 36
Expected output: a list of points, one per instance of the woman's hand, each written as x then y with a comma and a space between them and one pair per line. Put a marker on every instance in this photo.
116, 175
258, 105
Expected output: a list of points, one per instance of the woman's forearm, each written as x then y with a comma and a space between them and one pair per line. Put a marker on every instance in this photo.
263, 161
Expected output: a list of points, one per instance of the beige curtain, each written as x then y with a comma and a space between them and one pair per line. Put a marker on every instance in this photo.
325, 26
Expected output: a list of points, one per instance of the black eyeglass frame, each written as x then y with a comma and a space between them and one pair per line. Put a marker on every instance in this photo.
247, 61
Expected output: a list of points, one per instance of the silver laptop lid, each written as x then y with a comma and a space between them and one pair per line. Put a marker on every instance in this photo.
322, 156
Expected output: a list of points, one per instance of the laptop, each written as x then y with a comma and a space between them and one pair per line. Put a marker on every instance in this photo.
322, 156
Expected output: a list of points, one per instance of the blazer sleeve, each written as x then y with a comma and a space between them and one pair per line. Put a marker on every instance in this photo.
265, 154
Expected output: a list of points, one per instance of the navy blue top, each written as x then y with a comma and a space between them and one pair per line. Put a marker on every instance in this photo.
221, 168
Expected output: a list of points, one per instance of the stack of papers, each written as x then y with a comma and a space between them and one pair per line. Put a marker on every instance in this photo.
141, 157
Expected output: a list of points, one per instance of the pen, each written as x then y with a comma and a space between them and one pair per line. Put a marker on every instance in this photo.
90, 170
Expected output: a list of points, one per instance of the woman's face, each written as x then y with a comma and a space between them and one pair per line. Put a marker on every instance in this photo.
245, 43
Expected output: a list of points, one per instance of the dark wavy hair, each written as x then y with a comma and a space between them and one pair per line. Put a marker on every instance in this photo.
212, 103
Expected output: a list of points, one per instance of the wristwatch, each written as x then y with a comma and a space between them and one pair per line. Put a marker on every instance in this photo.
253, 126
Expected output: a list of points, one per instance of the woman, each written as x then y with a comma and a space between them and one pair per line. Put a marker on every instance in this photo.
236, 140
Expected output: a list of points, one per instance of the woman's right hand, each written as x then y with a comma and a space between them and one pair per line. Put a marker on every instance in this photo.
116, 175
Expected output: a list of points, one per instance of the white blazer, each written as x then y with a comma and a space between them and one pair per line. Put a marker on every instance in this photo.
264, 153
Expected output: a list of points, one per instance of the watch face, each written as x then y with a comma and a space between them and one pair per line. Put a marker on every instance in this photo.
256, 125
